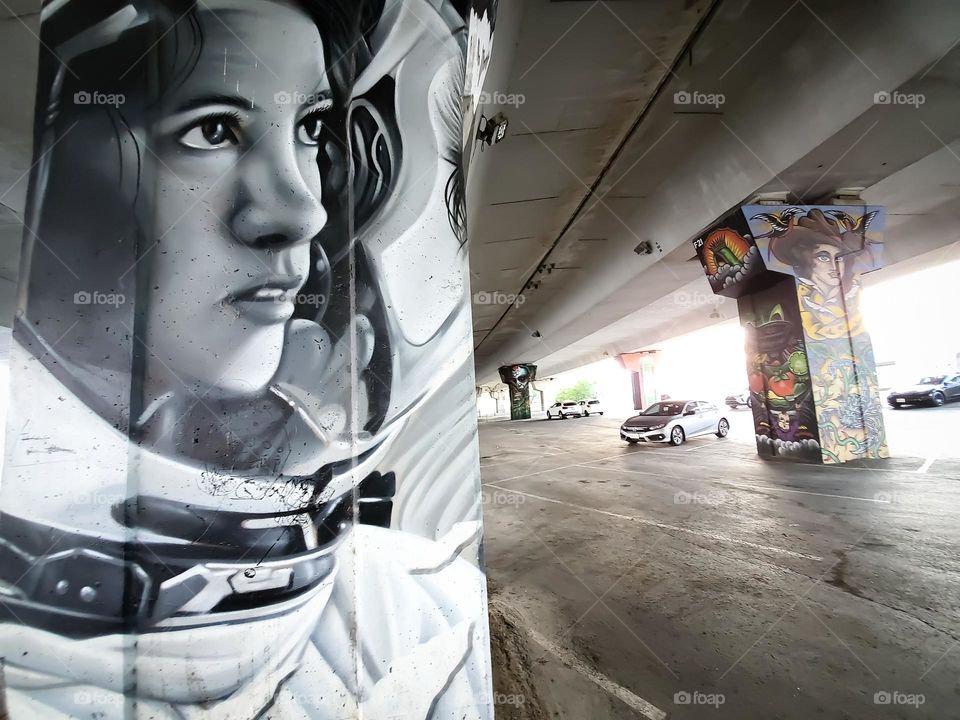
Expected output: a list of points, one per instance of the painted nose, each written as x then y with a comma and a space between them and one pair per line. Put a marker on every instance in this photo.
277, 204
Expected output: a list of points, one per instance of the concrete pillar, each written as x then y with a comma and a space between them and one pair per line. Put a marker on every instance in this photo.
643, 376
241, 475
518, 379
796, 273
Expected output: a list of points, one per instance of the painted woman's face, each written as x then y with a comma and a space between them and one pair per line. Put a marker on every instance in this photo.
826, 267
238, 197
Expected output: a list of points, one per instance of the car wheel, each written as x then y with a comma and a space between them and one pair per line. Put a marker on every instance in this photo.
938, 399
723, 427
677, 436
750, 402
586, 414
601, 412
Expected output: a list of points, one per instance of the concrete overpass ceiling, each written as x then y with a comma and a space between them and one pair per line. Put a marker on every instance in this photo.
19, 24
798, 82
585, 72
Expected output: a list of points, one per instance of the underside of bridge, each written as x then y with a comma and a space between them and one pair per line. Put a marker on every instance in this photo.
620, 152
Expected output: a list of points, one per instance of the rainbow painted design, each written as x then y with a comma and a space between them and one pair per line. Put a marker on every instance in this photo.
724, 247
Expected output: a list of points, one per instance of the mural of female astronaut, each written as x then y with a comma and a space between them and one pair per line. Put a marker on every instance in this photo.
241, 475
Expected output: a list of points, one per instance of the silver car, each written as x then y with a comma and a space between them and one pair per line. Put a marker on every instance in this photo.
674, 421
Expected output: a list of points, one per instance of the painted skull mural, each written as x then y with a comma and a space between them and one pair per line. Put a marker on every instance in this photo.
243, 314
518, 379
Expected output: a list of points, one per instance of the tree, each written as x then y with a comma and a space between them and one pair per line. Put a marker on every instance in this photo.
582, 390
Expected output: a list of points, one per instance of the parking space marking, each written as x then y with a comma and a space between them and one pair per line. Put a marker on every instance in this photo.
646, 709
562, 467
926, 465
742, 486
663, 526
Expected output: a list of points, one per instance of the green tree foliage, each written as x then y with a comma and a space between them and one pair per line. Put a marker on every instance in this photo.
582, 390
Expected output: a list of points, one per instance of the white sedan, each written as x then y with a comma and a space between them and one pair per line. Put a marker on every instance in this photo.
674, 421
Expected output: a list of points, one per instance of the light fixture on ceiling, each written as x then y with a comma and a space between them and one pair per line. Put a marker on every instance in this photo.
644, 248
493, 129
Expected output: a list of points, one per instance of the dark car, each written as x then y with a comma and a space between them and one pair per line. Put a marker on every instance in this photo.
931, 390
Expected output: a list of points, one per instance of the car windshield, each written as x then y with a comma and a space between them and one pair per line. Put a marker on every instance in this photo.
664, 408
931, 380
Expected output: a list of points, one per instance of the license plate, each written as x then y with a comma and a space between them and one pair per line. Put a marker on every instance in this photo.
901, 400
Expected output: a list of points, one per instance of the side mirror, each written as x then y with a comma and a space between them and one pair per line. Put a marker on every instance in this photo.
690, 412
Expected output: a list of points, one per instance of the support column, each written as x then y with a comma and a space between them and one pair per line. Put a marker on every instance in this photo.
518, 379
796, 273
241, 474
643, 375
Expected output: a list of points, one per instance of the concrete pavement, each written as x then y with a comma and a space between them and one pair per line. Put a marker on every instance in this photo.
703, 582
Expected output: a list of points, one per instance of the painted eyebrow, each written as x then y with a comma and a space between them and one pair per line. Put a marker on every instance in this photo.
232, 100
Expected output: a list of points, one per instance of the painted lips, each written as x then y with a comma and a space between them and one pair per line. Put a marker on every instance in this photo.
268, 301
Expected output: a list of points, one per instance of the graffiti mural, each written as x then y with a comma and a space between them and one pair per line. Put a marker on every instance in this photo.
729, 256
241, 475
778, 374
518, 379
827, 249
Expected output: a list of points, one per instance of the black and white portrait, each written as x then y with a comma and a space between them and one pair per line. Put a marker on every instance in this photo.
241, 476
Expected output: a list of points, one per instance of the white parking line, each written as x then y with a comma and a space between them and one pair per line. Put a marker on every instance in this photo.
562, 467
772, 488
663, 526
646, 709
926, 465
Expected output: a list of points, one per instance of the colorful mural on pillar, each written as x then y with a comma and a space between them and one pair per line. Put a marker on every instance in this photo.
796, 271
828, 249
241, 475
778, 374
518, 379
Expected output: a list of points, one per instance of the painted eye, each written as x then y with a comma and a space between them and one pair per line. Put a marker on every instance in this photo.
309, 129
211, 134
823, 257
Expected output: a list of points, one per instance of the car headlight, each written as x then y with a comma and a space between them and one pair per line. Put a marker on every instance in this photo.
655, 427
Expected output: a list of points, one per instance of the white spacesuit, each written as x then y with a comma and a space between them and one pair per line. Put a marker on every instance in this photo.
344, 582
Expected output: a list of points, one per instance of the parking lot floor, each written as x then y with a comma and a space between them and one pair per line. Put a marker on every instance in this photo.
699, 581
